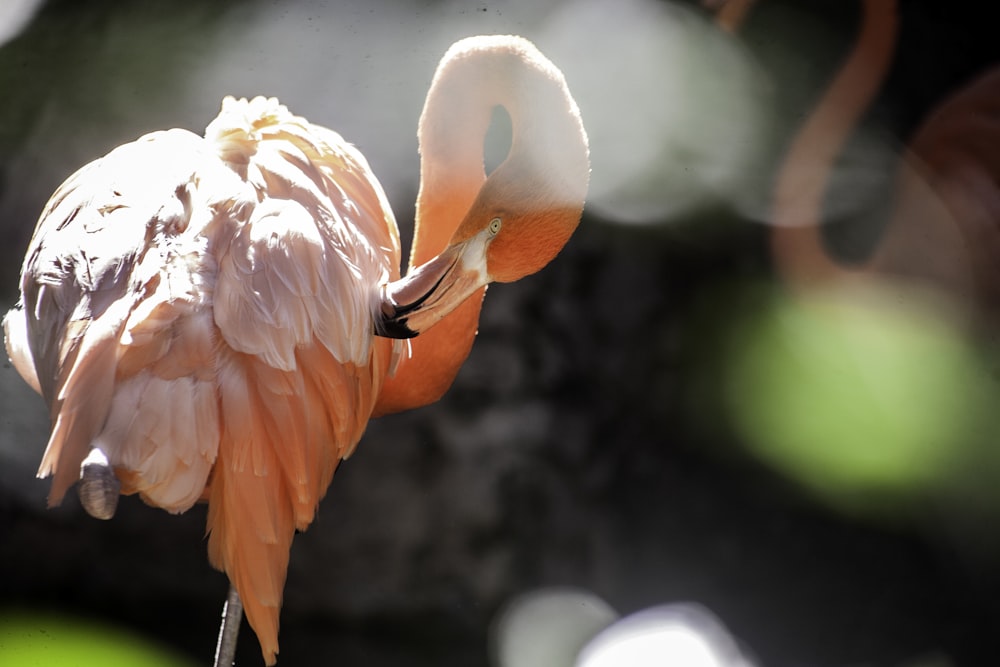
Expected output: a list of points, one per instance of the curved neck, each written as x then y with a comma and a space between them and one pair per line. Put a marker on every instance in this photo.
796, 238
546, 153
474, 76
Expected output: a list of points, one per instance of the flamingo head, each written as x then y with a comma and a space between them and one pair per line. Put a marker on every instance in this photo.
494, 243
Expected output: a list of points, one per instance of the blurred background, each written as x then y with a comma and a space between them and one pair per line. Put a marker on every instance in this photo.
657, 417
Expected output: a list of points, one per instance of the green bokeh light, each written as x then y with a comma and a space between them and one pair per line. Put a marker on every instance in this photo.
35, 639
870, 399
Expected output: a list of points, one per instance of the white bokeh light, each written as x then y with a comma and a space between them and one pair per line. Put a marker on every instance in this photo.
682, 635
15, 15
677, 110
548, 627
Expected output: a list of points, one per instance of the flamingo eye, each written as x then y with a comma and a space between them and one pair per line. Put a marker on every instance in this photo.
495, 226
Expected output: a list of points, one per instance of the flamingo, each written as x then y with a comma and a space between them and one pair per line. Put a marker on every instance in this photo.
942, 229
802, 178
217, 318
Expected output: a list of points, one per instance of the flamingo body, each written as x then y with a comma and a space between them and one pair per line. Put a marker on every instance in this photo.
201, 314
198, 309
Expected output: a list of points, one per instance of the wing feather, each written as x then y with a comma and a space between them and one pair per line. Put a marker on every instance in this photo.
308, 263
113, 281
15, 333
300, 368
201, 312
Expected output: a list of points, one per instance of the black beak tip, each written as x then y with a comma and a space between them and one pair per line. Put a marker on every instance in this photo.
393, 327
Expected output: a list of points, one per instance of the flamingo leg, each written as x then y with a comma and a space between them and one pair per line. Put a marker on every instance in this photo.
229, 629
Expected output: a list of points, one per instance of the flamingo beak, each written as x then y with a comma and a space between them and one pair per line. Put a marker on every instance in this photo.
426, 294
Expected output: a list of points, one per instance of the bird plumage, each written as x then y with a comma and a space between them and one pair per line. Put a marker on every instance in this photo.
199, 310
200, 313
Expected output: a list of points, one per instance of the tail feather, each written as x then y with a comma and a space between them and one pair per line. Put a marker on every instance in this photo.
283, 435
251, 546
